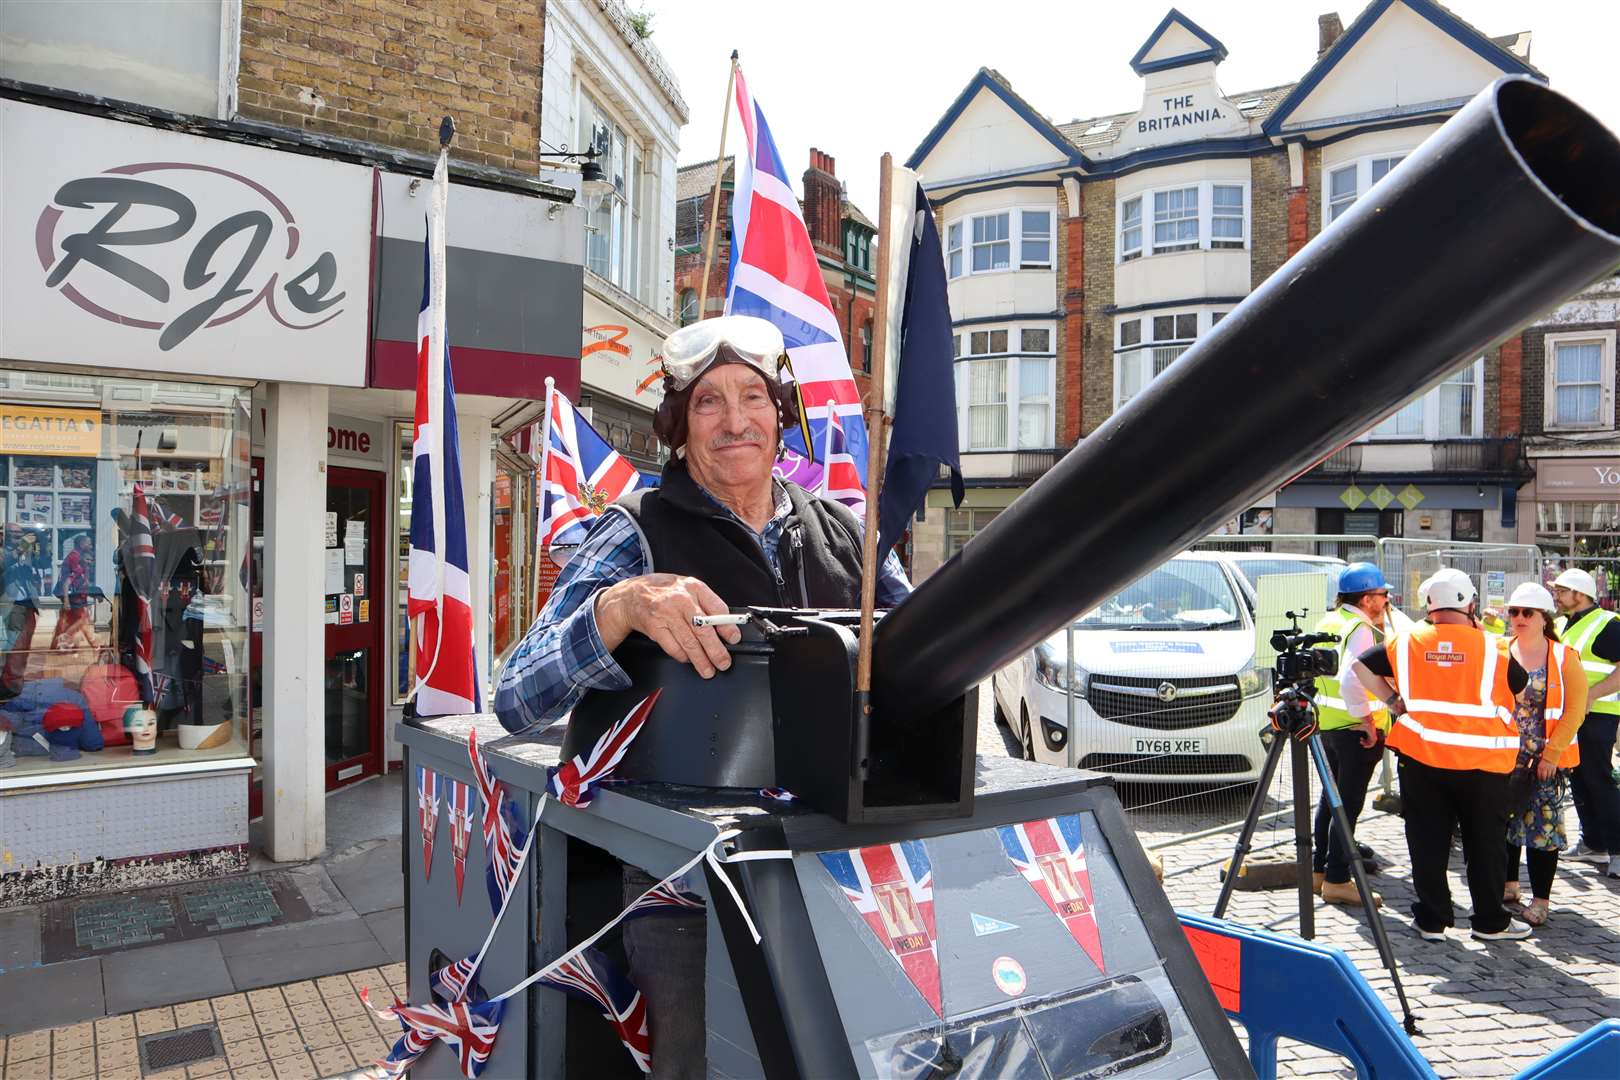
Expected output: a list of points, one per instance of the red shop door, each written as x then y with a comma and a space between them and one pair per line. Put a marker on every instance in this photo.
355, 612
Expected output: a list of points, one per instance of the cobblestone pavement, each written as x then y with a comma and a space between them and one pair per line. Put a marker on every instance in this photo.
299, 1031
1483, 1009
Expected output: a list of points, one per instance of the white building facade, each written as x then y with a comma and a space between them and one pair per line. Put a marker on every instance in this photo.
606, 86
1085, 257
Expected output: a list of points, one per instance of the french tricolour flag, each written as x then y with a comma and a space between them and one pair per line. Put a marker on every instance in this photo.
582, 474
774, 275
440, 607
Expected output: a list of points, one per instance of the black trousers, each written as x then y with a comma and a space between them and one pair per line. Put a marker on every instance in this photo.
1543, 868
1352, 766
1477, 802
1597, 800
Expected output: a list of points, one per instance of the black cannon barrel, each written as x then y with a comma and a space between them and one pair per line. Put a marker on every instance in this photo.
1505, 211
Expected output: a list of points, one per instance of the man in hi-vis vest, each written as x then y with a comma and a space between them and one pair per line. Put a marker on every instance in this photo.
1352, 723
1595, 634
1452, 703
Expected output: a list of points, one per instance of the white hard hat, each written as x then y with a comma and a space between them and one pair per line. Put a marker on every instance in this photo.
1531, 595
1447, 588
1578, 580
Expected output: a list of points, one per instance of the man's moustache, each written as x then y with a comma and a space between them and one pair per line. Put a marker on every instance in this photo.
752, 438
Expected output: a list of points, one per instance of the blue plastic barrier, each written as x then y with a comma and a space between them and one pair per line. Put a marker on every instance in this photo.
1282, 986
1593, 1054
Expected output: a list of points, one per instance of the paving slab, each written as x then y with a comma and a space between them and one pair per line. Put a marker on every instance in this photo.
389, 929
370, 880
19, 938
164, 974
52, 995
339, 930
253, 970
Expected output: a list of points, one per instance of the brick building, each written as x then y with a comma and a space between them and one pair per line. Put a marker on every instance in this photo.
264, 405
1564, 393
843, 238
1084, 257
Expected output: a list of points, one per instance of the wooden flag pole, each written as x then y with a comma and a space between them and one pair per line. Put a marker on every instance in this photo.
714, 198
877, 430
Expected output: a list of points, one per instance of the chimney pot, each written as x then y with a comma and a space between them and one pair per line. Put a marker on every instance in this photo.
1328, 30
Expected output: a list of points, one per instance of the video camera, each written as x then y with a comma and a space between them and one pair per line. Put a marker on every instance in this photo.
1293, 677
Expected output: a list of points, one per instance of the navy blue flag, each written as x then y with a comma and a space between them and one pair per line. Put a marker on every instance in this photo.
924, 435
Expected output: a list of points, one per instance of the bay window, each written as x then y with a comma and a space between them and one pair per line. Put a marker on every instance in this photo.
1150, 343
1188, 217
1580, 381
1344, 184
1006, 395
1015, 239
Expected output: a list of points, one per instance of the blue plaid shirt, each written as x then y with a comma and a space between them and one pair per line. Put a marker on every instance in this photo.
563, 655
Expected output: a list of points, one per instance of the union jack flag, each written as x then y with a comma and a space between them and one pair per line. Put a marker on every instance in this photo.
440, 606
450, 982
774, 275
583, 474
573, 783
427, 811
892, 887
592, 976
1051, 855
504, 835
468, 1028
840, 479
460, 800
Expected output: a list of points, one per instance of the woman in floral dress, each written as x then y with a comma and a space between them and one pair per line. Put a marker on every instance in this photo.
1546, 743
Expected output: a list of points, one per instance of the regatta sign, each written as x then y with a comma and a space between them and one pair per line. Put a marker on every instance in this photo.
1179, 111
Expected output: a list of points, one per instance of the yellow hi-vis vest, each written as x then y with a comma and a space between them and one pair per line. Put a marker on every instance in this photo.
1331, 712
1581, 636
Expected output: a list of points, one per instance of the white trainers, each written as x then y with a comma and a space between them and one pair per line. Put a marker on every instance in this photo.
1430, 935
1581, 853
1510, 932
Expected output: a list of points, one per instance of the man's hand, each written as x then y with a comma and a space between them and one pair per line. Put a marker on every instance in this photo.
1369, 732
1545, 769
661, 606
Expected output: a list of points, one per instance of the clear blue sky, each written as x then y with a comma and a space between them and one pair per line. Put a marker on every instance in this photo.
858, 77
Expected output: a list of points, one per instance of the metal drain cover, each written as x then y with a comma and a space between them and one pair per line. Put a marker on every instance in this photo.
173, 1049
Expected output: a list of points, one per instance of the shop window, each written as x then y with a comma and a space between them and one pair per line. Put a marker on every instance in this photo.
125, 567
963, 525
1468, 524
1580, 381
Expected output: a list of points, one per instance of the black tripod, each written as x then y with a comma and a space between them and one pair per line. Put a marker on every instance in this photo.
1294, 719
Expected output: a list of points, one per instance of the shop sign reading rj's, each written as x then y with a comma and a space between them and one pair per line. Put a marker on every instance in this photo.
135, 247
25, 429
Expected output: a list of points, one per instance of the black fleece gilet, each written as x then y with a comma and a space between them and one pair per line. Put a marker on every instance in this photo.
689, 533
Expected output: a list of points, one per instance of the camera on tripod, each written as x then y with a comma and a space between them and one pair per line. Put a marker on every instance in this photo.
1293, 677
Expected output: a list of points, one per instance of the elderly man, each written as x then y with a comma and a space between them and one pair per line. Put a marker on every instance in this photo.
720, 531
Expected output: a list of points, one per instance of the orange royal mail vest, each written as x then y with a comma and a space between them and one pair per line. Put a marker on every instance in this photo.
1459, 710
1558, 656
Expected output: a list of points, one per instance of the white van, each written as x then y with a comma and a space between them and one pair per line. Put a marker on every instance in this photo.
1165, 687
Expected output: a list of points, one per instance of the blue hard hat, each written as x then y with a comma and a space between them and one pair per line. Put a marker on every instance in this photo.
1361, 577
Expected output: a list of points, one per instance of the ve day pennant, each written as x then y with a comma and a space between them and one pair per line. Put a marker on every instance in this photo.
427, 810
1050, 853
892, 887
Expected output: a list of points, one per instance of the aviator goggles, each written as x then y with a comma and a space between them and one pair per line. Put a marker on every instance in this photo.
692, 350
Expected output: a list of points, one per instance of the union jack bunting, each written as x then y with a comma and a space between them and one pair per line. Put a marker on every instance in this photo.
468, 1028
1051, 855
574, 782
665, 896
450, 983
504, 835
592, 976
460, 800
774, 275
582, 475
427, 812
892, 887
